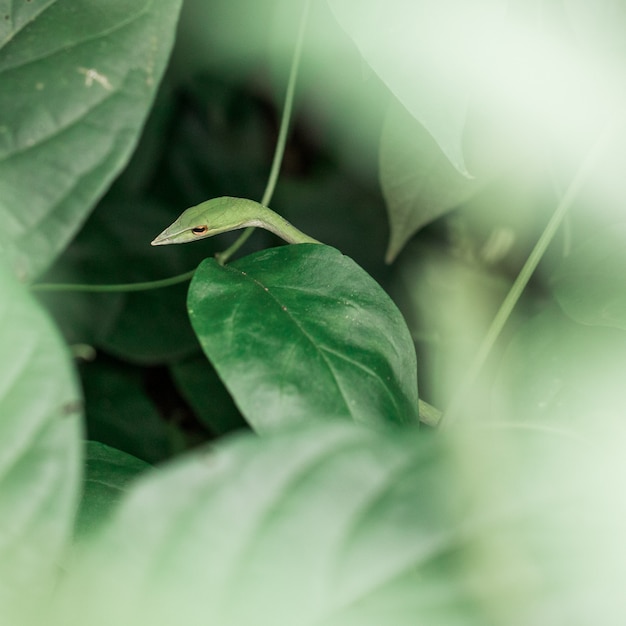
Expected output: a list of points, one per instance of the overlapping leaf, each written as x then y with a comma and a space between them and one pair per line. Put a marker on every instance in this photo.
337, 525
327, 525
418, 182
426, 52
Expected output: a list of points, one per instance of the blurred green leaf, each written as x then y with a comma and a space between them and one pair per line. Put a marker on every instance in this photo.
40, 447
108, 473
590, 284
241, 534
418, 181
424, 51
422, 531
448, 303
198, 382
303, 333
561, 374
77, 84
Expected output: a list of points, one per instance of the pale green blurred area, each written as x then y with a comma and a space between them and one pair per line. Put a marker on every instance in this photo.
489, 526
517, 90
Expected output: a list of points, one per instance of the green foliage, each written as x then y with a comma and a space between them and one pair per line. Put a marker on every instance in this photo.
40, 465
76, 86
328, 506
302, 333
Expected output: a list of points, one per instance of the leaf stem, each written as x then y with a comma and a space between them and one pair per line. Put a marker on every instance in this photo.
145, 286
222, 257
454, 411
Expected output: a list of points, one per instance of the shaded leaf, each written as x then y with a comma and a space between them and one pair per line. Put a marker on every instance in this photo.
108, 473
301, 332
336, 525
78, 79
40, 443
418, 181
201, 387
120, 413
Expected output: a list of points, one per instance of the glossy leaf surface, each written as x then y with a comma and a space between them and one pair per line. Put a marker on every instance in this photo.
301, 333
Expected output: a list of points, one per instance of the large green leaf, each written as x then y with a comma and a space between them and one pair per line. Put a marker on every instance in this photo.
526, 68
39, 448
302, 332
418, 182
590, 284
336, 525
327, 525
77, 80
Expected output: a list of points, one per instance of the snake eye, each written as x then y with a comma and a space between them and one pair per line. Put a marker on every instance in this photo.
200, 230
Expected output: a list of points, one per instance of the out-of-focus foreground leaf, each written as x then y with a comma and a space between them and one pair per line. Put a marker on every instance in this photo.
338, 525
40, 447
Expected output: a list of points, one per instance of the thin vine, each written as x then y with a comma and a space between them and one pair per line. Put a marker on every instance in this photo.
455, 409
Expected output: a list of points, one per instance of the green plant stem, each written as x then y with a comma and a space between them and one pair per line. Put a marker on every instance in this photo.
145, 286
222, 257
454, 411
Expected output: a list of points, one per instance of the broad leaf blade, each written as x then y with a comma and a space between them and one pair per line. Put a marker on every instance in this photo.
321, 525
336, 525
418, 181
39, 448
77, 82
303, 333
